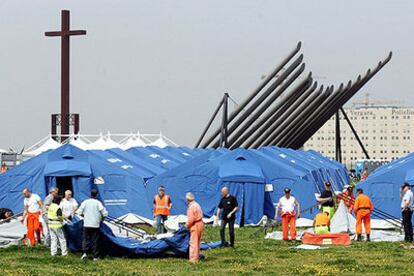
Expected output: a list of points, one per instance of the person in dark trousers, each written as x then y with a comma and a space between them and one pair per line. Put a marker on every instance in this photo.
406, 196
93, 213
326, 199
229, 205
162, 208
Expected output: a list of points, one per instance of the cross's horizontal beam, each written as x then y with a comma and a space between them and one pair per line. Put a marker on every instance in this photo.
65, 33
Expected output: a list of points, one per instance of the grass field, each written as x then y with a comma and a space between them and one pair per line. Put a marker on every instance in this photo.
251, 256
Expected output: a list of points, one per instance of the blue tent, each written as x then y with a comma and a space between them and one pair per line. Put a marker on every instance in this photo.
245, 172
123, 163
154, 158
383, 185
318, 168
71, 168
137, 161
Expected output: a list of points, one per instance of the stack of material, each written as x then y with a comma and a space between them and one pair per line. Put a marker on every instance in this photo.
286, 109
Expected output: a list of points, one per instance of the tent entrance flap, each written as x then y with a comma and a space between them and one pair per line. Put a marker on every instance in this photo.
63, 184
251, 200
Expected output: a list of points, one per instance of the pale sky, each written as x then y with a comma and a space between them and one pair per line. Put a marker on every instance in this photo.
163, 65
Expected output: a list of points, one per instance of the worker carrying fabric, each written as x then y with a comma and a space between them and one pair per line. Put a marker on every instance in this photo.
287, 205
326, 199
229, 205
347, 196
93, 213
162, 207
322, 223
195, 226
32, 211
406, 196
363, 208
55, 224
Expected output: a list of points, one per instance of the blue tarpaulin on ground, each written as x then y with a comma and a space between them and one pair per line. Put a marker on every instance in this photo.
116, 246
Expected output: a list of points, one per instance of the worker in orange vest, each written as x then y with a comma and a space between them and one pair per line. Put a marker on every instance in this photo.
287, 203
162, 207
195, 226
322, 223
347, 196
363, 208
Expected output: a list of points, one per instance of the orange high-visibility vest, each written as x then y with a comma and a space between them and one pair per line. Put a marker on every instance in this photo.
363, 202
162, 205
321, 219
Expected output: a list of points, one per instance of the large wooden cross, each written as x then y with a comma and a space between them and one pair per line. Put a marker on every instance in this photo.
65, 34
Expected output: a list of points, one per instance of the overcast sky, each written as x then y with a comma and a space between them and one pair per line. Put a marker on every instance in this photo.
164, 65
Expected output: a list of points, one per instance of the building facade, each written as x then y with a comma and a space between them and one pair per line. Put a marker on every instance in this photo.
385, 131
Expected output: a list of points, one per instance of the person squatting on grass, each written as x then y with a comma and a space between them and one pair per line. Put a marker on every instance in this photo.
287, 203
55, 225
195, 226
93, 213
229, 205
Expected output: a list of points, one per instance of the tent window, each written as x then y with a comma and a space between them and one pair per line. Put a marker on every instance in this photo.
64, 184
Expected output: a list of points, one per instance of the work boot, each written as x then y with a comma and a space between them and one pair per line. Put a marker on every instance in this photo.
359, 238
368, 238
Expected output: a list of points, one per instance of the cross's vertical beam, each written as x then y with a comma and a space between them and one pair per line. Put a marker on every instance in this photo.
65, 101
65, 33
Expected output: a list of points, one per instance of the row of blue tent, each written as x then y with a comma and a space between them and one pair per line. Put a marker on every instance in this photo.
128, 180
383, 185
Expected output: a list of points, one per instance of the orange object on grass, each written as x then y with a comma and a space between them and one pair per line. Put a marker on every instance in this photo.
326, 239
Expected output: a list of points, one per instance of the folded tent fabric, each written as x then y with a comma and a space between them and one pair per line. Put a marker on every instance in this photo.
113, 245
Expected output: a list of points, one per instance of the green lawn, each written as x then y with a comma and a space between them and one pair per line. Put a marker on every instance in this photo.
251, 256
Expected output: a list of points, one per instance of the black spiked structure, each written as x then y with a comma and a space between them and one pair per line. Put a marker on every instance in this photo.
286, 109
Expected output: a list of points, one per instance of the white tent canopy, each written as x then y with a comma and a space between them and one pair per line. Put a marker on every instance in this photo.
42, 146
102, 142
132, 142
79, 142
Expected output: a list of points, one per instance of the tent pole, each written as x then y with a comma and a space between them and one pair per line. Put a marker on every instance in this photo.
223, 137
209, 124
258, 89
338, 151
355, 133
